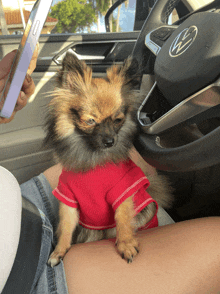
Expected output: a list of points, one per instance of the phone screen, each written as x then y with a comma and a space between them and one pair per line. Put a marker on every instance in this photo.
23, 57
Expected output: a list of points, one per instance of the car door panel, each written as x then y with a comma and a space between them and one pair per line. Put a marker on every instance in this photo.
21, 149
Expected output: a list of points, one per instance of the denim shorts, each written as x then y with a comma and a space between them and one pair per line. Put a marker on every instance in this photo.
53, 280
47, 280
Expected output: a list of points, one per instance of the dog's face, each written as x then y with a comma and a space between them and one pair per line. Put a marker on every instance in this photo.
92, 121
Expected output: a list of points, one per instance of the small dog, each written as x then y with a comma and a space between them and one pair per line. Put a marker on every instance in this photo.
91, 126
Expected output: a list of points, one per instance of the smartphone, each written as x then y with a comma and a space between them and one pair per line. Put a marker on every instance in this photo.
23, 57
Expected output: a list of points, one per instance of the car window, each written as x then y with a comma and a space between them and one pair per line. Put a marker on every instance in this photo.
122, 19
71, 16
186, 5
195, 4
87, 16
15, 14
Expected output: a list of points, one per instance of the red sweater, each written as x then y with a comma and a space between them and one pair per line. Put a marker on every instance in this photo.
99, 192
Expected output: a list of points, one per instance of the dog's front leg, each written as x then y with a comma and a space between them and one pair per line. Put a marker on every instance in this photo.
67, 224
126, 242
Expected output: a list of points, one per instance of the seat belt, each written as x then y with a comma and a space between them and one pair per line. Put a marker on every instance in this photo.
23, 271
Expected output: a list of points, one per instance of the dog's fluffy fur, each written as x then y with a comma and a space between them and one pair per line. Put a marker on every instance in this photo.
92, 121
78, 100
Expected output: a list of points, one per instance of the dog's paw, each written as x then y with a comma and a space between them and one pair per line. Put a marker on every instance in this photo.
55, 257
128, 249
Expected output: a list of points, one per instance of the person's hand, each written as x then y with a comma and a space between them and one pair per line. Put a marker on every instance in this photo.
28, 85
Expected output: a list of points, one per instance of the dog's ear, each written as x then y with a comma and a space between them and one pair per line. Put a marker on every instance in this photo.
72, 64
74, 72
128, 74
131, 72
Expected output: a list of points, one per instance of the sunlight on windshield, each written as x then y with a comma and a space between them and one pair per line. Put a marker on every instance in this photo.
71, 18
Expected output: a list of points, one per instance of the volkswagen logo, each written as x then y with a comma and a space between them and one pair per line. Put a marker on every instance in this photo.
183, 41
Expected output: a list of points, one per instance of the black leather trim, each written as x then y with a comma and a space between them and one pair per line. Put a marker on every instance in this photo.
25, 265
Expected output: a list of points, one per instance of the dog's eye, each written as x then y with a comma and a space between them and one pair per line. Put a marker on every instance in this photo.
118, 120
74, 112
91, 122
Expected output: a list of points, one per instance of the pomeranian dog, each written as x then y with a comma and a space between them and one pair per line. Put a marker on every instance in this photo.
91, 127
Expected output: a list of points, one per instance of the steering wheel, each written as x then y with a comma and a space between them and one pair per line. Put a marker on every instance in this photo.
186, 89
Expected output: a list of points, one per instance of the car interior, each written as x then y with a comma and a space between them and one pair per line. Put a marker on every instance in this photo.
176, 45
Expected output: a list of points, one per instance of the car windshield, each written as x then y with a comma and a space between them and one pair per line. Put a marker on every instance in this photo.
79, 17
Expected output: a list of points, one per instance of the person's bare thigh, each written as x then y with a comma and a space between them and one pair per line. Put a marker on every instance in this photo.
179, 258
52, 174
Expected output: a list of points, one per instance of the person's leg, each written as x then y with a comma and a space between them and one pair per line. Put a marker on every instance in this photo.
52, 174
38, 190
176, 259
10, 222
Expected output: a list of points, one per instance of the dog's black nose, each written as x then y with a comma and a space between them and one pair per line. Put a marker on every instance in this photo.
108, 142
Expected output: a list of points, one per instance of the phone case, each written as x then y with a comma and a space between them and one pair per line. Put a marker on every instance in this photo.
24, 54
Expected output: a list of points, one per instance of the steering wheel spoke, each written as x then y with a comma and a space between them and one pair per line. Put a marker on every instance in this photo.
158, 17
156, 38
196, 104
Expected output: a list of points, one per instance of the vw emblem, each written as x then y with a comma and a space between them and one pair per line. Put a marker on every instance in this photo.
183, 41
